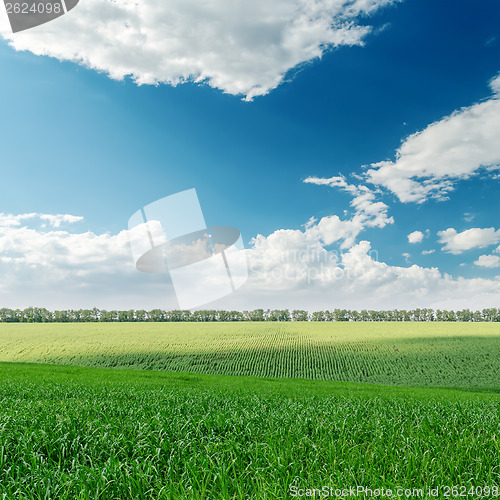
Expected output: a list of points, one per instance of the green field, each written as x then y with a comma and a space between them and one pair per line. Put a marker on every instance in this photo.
70, 432
419, 354
87, 433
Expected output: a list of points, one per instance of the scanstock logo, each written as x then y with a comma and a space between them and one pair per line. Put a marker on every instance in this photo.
26, 14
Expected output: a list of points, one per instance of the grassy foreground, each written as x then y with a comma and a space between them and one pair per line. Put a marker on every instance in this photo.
88, 433
419, 354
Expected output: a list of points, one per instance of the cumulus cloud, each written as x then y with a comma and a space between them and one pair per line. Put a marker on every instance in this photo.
475, 237
239, 47
63, 252
416, 237
58, 268
488, 261
430, 162
307, 274
289, 268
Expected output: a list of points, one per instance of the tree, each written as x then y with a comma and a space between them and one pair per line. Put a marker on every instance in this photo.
300, 315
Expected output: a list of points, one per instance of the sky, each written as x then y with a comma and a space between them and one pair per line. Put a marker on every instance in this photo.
354, 143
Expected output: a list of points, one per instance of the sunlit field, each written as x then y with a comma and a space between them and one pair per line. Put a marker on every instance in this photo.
418, 354
248, 410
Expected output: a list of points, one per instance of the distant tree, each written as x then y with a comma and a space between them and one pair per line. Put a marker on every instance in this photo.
235, 316
141, 315
464, 315
255, 315
477, 316
449, 316
279, 315
124, 316
491, 314
185, 315
340, 315
42, 315
354, 316
318, 316
300, 315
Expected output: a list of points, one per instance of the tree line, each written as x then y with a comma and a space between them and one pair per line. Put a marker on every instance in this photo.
41, 315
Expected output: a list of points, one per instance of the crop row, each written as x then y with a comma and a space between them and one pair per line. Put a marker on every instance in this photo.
460, 355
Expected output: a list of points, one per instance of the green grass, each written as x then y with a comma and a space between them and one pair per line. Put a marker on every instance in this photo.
419, 354
301, 418
88, 433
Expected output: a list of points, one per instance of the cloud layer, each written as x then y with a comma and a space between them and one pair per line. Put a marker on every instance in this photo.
290, 268
239, 47
306, 274
50, 267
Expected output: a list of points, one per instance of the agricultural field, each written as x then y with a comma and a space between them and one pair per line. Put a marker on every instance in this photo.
247, 410
88, 433
416, 354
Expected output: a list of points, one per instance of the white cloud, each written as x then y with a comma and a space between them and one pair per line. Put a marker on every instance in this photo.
239, 47
289, 268
428, 252
488, 261
475, 237
429, 163
62, 248
368, 212
56, 268
416, 237
57, 220
336, 181
495, 85
10, 220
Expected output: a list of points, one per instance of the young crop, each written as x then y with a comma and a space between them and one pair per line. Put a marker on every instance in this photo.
431, 354
74, 433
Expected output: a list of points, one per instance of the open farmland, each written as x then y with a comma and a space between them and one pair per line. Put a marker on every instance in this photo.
417, 354
86, 433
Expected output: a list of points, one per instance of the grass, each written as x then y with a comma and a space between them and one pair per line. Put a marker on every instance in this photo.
88, 433
418, 354
295, 416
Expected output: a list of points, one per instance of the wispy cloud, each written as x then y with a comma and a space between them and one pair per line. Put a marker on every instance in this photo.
10, 220
367, 210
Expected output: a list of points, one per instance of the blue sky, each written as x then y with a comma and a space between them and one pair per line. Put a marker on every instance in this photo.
75, 141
